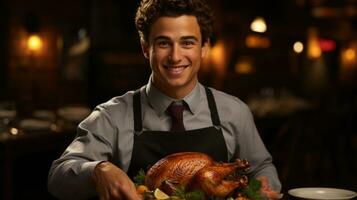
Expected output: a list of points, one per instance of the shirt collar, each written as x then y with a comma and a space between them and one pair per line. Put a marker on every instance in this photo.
159, 101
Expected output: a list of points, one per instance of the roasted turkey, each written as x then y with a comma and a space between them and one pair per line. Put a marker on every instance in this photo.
194, 170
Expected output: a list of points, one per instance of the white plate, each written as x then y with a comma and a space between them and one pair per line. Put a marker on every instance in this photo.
322, 193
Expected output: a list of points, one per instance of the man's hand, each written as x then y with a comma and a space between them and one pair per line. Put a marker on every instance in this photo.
266, 191
113, 183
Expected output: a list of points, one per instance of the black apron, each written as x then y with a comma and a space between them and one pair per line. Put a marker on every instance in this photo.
151, 146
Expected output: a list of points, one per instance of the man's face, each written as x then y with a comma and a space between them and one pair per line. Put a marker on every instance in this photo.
175, 52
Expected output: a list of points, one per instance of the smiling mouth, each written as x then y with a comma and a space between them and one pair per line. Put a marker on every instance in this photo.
176, 70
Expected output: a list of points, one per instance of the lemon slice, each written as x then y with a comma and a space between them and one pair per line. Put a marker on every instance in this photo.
160, 195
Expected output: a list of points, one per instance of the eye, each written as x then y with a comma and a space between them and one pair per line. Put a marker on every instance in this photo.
188, 43
163, 43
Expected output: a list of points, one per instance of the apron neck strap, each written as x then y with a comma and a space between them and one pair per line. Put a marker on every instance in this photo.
212, 107
137, 111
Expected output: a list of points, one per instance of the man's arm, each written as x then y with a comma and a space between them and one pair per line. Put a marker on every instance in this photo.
252, 148
113, 183
71, 175
266, 191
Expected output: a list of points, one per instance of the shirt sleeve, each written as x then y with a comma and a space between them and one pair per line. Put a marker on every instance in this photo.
252, 148
70, 176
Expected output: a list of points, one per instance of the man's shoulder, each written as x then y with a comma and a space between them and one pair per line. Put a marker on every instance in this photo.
118, 100
121, 102
230, 102
220, 95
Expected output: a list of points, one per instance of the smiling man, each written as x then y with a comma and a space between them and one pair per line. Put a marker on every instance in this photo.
172, 113
175, 51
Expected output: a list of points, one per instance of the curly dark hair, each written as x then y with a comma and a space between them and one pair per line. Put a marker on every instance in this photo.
150, 10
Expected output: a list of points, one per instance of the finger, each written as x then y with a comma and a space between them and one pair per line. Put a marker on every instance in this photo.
131, 193
265, 182
272, 194
115, 194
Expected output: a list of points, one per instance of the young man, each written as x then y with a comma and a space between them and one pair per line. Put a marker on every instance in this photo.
133, 131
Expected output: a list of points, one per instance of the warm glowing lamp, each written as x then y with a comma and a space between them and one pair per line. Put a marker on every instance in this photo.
218, 55
349, 63
313, 46
298, 47
244, 66
258, 25
349, 57
257, 41
34, 42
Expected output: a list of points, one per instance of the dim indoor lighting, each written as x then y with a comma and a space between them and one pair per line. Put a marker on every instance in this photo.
349, 55
298, 47
327, 45
257, 41
217, 53
244, 66
14, 131
313, 46
34, 43
258, 25
349, 63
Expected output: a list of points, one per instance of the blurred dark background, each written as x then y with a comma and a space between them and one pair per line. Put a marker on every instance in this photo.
59, 59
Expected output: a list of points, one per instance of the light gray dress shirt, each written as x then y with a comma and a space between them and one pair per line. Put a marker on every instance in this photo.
107, 134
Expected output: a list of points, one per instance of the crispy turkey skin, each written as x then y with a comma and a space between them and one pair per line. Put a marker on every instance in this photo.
194, 170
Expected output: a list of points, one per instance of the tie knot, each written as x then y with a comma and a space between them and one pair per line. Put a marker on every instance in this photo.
176, 110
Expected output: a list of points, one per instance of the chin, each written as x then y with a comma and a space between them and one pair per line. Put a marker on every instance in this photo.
179, 83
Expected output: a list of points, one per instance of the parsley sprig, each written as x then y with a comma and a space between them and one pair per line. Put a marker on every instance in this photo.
191, 195
139, 179
252, 190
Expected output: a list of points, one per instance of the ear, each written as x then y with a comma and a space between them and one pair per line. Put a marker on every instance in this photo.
204, 48
145, 48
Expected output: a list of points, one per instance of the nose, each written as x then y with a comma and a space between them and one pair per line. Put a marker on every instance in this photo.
175, 54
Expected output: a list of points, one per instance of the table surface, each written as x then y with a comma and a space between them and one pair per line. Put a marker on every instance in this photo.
34, 149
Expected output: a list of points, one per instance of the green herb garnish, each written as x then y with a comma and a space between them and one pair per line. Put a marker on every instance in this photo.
214, 198
192, 195
140, 178
252, 191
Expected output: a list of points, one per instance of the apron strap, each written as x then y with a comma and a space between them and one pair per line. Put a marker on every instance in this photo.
137, 111
213, 108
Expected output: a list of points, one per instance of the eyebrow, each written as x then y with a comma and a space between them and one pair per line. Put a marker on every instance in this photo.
190, 38
161, 37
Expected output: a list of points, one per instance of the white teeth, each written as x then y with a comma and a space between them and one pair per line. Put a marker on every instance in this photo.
176, 70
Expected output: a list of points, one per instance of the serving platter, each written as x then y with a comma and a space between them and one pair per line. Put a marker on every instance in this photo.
320, 193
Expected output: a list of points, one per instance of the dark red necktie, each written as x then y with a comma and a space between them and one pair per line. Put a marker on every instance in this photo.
176, 113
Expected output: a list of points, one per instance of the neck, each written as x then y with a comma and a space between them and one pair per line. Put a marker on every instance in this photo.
176, 92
